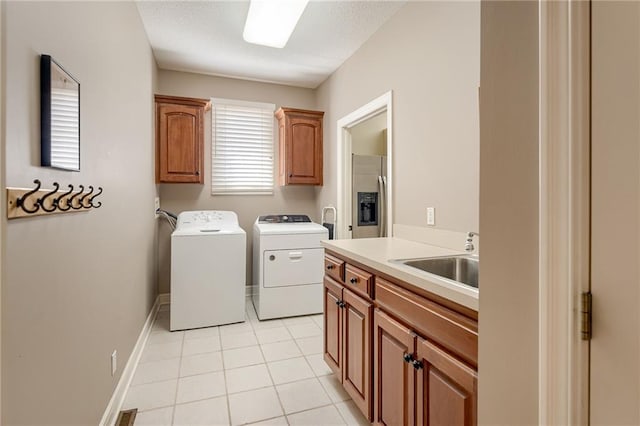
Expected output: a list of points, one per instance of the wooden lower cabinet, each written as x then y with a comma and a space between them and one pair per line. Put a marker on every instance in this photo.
348, 321
394, 391
446, 388
357, 320
333, 325
403, 358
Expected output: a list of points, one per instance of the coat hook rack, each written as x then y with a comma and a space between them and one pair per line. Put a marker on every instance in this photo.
26, 202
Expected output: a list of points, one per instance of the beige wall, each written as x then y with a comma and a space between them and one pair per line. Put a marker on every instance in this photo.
370, 137
615, 192
429, 55
182, 197
77, 285
508, 327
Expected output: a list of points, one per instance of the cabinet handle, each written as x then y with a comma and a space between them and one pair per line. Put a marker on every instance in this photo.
330, 267
408, 357
417, 364
342, 304
353, 280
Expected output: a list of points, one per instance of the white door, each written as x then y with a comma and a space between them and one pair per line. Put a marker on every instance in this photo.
615, 256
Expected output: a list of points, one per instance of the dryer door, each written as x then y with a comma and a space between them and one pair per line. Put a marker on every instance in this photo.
284, 268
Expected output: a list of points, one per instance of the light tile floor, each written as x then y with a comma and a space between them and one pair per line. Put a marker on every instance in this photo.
256, 372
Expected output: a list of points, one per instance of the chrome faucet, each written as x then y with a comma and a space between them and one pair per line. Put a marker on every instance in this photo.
469, 244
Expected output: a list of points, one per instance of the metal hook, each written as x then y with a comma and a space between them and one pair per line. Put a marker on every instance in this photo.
96, 206
20, 201
66, 194
45, 196
73, 197
85, 196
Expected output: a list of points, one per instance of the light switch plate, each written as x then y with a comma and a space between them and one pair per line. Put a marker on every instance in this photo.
431, 215
114, 362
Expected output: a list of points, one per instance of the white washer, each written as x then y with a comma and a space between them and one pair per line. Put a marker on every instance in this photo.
208, 270
288, 266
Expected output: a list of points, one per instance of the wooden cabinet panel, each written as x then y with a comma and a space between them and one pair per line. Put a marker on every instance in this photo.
358, 280
334, 267
356, 331
446, 388
180, 139
450, 329
394, 397
333, 326
300, 133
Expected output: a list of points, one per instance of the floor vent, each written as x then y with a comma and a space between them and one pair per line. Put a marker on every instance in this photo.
126, 417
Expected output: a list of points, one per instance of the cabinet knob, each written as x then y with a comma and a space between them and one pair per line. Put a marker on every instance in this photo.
330, 267
353, 280
290, 175
417, 364
338, 302
408, 357
197, 172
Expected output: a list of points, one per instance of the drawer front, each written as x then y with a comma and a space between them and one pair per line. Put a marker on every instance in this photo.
455, 332
358, 280
334, 267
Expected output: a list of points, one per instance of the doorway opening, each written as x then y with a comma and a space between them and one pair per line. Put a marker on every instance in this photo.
365, 190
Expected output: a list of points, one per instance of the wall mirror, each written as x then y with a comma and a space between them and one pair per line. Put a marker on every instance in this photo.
59, 116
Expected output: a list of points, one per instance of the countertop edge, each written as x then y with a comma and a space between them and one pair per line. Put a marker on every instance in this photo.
456, 293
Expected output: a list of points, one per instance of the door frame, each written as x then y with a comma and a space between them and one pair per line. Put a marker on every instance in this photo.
343, 161
564, 220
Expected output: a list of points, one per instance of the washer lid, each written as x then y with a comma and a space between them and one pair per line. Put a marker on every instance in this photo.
207, 221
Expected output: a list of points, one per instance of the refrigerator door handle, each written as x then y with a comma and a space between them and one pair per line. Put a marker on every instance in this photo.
382, 189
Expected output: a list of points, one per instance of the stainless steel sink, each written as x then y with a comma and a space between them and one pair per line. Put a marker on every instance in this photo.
463, 269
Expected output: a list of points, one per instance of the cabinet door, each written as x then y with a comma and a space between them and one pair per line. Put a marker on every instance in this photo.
333, 326
357, 317
394, 391
180, 143
446, 388
304, 150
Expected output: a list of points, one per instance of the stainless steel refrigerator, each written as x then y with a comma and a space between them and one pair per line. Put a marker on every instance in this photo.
369, 189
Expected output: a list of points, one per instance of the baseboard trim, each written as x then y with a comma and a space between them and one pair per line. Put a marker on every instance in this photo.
120, 392
164, 299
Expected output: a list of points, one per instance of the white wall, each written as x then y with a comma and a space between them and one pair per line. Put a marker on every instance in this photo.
77, 286
429, 55
181, 197
508, 321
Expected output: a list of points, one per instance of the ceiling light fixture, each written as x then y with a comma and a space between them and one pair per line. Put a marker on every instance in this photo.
271, 22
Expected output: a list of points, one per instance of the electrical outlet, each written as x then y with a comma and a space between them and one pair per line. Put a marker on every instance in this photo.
156, 206
114, 362
431, 215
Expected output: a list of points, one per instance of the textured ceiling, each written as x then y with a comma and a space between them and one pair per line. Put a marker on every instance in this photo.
206, 37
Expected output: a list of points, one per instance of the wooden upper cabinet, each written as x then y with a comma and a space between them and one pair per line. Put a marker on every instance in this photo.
180, 139
300, 134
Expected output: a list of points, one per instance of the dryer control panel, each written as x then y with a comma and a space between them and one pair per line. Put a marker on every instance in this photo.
284, 218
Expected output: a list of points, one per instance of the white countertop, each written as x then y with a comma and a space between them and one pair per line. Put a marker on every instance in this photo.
377, 253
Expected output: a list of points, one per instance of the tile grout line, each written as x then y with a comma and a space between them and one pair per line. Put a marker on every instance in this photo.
273, 382
175, 397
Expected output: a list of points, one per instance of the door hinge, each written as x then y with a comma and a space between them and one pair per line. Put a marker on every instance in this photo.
587, 316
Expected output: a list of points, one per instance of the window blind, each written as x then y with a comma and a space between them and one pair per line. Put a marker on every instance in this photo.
242, 147
65, 128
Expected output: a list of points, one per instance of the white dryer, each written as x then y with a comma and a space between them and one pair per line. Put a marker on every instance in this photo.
208, 270
288, 266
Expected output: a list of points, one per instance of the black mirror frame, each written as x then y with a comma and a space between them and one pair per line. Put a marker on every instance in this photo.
45, 112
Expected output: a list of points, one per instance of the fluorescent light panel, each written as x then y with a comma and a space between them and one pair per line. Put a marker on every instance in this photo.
271, 22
